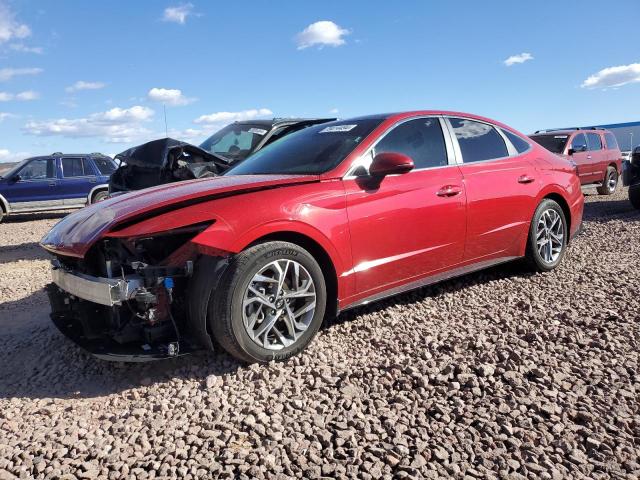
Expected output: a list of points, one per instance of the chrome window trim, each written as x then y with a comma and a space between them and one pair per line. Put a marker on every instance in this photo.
447, 142
528, 142
456, 144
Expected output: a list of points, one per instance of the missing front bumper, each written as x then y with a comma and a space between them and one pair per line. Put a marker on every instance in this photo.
103, 291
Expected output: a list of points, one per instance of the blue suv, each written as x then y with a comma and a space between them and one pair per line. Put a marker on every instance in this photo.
55, 182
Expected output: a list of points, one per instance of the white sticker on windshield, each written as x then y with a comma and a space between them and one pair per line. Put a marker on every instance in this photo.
560, 136
338, 128
257, 131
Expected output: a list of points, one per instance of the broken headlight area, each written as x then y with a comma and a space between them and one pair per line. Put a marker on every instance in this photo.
127, 298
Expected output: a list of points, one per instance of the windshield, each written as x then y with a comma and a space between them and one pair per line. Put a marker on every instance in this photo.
553, 143
9, 173
311, 151
235, 141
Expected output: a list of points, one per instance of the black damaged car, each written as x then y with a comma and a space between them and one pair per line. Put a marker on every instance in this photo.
168, 160
631, 177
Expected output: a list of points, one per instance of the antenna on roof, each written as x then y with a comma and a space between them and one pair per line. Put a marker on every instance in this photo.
166, 129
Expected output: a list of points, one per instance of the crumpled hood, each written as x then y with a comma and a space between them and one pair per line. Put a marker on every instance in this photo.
75, 234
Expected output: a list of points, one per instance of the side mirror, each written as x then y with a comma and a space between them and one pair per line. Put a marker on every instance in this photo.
14, 178
390, 163
571, 151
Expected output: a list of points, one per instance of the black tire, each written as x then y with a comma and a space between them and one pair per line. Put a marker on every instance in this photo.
533, 255
610, 183
99, 196
634, 195
225, 310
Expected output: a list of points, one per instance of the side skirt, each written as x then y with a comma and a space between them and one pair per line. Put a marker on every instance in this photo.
430, 280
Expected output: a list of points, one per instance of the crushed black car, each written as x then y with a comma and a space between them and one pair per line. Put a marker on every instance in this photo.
169, 160
631, 177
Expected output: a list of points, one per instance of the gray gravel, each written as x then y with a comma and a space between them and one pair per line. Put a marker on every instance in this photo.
501, 374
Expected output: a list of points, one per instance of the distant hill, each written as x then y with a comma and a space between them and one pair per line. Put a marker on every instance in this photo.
6, 166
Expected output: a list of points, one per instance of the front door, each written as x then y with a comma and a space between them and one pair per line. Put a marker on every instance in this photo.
406, 226
582, 157
36, 186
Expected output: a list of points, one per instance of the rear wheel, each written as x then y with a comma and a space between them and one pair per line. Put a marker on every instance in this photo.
548, 236
610, 183
634, 195
270, 303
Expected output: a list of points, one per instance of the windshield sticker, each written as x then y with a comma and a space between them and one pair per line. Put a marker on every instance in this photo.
561, 136
338, 129
257, 131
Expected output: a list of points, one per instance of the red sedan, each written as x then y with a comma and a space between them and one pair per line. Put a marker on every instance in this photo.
328, 218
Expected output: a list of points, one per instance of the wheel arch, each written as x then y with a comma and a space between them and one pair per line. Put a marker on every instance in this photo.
96, 189
4, 205
560, 200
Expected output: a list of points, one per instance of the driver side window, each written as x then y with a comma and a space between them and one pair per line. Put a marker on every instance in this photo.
421, 139
579, 143
39, 169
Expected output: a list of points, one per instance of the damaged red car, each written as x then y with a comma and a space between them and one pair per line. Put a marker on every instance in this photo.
333, 216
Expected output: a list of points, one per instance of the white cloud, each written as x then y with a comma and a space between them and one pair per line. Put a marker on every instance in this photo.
178, 14
321, 33
613, 77
82, 85
7, 155
5, 115
169, 96
25, 96
334, 111
21, 47
520, 58
9, 73
10, 28
228, 117
117, 125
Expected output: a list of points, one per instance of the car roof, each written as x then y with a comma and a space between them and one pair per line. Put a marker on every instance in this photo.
273, 122
569, 131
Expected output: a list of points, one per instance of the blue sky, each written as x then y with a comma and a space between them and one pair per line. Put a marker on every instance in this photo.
93, 76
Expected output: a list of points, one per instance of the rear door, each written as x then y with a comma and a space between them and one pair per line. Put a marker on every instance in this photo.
78, 178
582, 157
408, 225
596, 156
501, 185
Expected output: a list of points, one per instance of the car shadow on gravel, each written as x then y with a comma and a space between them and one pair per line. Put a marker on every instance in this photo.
24, 251
499, 272
39, 362
30, 217
602, 211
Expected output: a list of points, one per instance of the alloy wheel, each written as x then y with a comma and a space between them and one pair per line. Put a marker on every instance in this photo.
612, 182
279, 304
550, 236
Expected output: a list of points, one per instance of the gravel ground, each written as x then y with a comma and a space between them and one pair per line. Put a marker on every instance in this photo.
500, 374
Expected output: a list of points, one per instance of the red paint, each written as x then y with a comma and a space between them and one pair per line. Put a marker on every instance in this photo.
409, 227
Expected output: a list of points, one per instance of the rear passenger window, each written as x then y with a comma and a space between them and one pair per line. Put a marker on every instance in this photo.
520, 145
594, 142
478, 141
73, 167
611, 140
421, 139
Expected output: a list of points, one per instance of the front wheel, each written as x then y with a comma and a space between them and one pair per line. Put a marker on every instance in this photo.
610, 183
634, 195
548, 236
270, 303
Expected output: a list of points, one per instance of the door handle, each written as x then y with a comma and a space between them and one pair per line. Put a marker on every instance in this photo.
52, 184
588, 157
449, 191
525, 179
